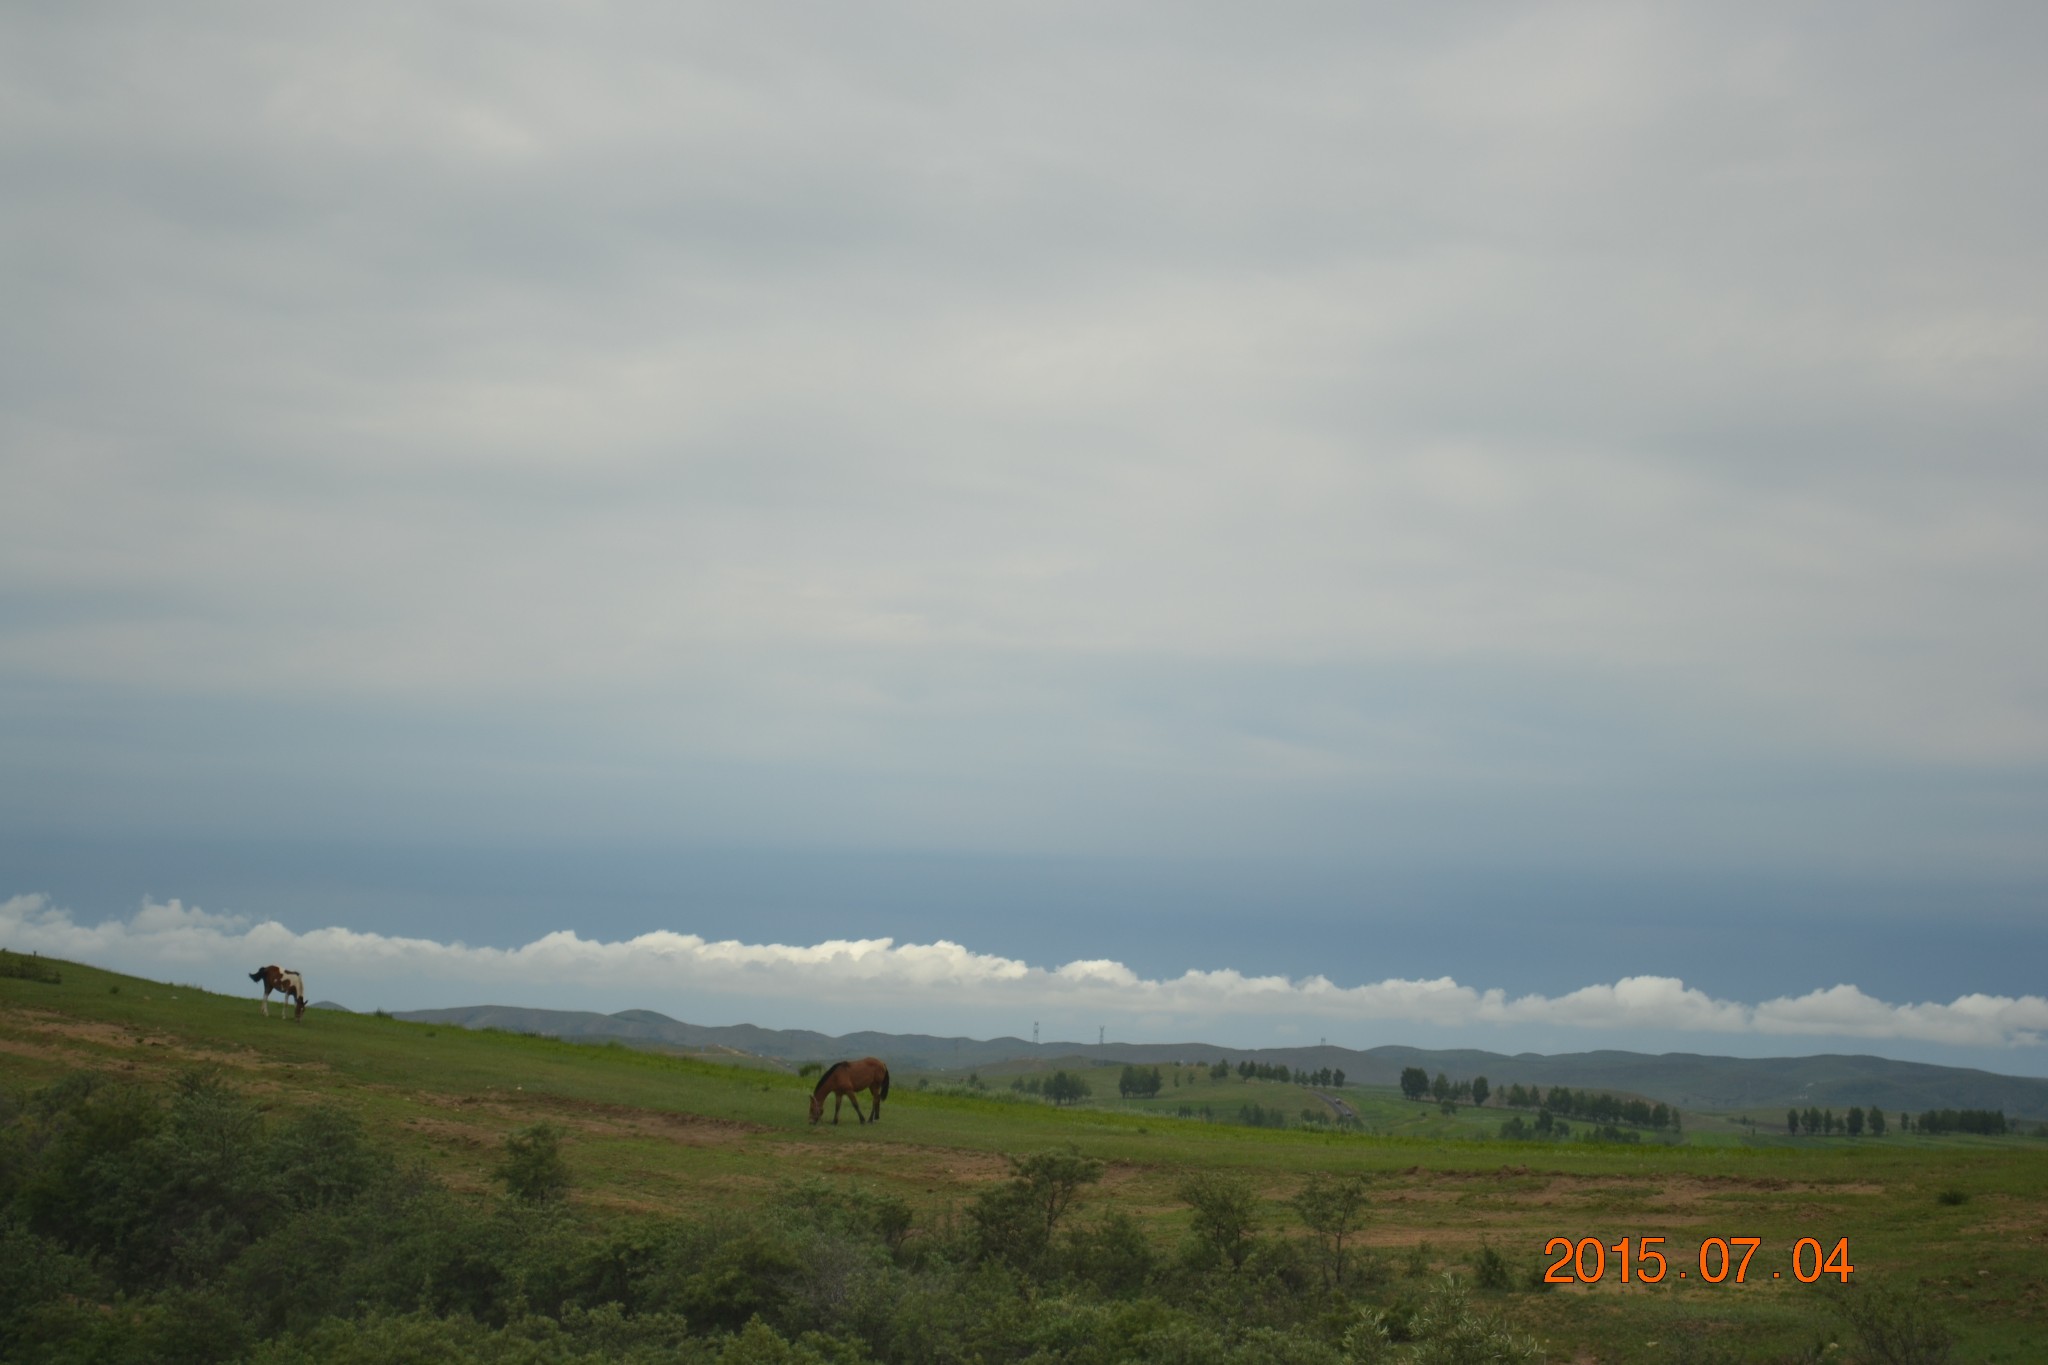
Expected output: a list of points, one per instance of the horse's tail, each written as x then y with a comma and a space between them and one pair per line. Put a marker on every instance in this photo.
885, 1085
256, 975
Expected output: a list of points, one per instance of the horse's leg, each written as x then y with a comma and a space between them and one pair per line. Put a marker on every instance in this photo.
853, 1098
266, 1002
836, 1098
875, 1103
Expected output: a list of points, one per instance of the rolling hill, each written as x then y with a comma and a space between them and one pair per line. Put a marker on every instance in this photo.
1689, 1080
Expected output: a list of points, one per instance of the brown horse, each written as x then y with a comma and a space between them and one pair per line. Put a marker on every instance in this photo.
845, 1081
278, 979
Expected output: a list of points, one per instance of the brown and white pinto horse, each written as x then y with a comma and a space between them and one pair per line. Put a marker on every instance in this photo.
845, 1081
291, 984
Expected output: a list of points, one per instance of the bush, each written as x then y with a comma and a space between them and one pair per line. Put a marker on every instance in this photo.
1490, 1268
1014, 1222
1332, 1208
1894, 1328
1448, 1332
1226, 1215
30, 969
852, 1209
533, 1169
1112, 1256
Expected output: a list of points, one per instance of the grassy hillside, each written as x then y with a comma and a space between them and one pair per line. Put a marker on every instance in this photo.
1731, 1085
1961, 1223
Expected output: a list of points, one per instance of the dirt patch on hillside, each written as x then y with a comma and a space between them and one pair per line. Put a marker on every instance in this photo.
123, 1042
517, 1109
1676, 1198
466, 1137
51, 1052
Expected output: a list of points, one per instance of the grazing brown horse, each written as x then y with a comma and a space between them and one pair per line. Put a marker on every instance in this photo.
291, 984
845, 1081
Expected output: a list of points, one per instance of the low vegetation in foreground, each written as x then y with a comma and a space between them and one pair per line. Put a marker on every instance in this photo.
182, 1180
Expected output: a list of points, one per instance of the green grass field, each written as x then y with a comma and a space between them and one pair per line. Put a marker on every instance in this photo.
1960, 1222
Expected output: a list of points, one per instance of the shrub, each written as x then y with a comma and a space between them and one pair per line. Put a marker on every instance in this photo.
533, 1169
1894, 1328
1448, 1332
851, 1208
30, 969
1014, 1222
1226, 1215
1490, 1268
1111, 1256
1332, 1208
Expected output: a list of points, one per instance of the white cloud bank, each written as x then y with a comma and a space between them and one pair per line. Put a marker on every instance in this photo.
172, 940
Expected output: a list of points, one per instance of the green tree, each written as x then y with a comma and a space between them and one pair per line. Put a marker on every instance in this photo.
1876, 1121
1441, 1088
1480, 1090
1066, 1088
1855, 1121
1414, 1082
532, 1170
1331, 1207
1792, 1121
1225, 1221
1015, 1221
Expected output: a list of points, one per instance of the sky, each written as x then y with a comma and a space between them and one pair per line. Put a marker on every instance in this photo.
1505, 527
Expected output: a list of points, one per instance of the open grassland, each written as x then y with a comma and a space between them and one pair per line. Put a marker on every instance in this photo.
1962, 1223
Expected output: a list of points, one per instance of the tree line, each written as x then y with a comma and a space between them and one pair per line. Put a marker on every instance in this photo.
1062, 1087
1594, 1106
1328, 1077
1416, 1085
1858, 1121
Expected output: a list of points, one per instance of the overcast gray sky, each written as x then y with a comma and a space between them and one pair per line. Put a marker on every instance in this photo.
1539, 496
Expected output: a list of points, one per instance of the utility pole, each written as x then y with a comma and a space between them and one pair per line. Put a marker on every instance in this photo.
1034, 1033
1100, 1030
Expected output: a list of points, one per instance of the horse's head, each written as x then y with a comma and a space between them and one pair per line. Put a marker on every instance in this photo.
256, 975
818, 1106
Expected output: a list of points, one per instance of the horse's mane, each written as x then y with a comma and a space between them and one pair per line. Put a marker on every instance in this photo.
836, 1066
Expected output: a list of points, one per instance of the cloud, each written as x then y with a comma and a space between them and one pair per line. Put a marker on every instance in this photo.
663, 967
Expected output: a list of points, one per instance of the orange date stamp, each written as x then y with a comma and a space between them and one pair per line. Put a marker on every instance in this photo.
1721, 1259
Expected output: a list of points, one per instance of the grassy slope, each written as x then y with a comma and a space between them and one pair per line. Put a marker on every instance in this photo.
654, 1135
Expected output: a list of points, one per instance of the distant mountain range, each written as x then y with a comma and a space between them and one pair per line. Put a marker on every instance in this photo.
1757, 1085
